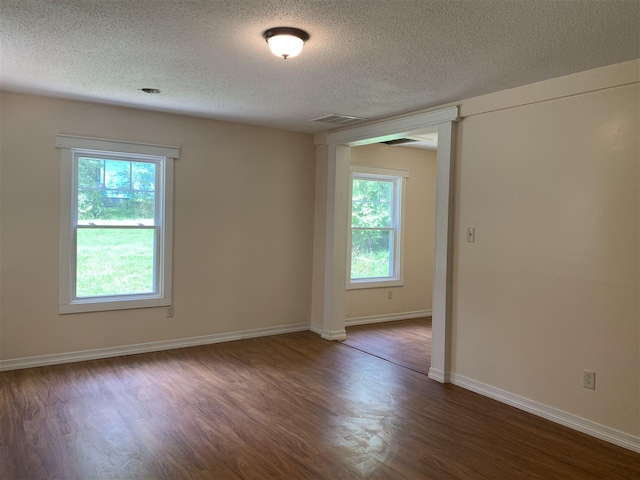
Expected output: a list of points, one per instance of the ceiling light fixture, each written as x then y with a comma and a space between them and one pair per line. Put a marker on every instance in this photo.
285, 42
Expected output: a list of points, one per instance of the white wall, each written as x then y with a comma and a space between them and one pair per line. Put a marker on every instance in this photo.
415, 294
548, 174
243, 227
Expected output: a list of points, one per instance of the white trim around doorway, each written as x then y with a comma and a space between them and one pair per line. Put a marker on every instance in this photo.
336, 227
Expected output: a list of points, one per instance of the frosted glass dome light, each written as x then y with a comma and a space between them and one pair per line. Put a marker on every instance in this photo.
285, 42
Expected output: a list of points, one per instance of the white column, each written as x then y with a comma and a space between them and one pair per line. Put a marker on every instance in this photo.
441, 319
336, 242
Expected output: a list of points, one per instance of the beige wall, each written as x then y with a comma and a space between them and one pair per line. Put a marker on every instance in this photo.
243, 227
548, 174
550, 287
419, 224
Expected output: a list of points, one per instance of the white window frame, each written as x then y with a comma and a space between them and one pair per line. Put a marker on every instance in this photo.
399, 179
163, 156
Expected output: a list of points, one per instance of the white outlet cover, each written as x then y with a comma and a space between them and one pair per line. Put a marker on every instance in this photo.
589, 380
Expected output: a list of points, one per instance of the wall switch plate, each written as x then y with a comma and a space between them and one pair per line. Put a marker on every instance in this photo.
471, 234
170, 311
390, 294
589, 380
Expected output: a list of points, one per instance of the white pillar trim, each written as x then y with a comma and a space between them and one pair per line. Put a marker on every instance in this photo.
335, 262
442, 259
391, 129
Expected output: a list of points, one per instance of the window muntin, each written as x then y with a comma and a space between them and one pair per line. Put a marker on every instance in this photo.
375, 234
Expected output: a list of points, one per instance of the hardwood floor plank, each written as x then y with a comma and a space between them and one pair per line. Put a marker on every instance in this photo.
283, 407
405, 342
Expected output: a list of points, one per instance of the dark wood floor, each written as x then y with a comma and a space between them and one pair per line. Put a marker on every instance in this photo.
289, 407
405, 342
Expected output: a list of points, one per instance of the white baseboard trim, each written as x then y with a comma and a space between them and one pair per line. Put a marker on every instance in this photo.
58, 358
334, 335
570, 420
350, 322
316, 328
439, 375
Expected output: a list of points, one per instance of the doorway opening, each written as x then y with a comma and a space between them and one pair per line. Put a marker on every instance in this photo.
388, 298
336, 276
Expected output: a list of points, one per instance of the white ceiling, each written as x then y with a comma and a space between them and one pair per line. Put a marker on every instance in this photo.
368, 58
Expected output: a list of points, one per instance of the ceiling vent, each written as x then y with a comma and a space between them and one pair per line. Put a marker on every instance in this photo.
399, 141
338, 119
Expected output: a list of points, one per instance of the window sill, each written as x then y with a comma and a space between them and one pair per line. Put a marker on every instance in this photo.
374, 284
105, 305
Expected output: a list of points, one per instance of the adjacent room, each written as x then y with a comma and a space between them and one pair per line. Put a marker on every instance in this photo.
389, 239
389, 294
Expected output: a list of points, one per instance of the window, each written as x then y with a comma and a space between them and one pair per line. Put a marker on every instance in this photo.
375, 241
116, 224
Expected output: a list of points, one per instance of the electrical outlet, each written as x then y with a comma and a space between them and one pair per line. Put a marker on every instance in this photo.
589, 380
390, 294
471, 234
170, 311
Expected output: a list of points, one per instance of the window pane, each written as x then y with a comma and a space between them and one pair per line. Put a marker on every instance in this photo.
90, 173
143, 176
117, 174
372, 203
115, 192
114, 261
371, 254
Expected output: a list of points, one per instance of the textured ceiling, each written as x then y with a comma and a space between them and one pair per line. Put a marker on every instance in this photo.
368, 58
